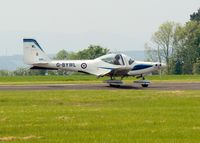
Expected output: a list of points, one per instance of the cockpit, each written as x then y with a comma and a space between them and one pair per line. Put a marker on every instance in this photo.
130, 61
117, 59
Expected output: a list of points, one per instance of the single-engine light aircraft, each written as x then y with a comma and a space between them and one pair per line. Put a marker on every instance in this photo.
112, 65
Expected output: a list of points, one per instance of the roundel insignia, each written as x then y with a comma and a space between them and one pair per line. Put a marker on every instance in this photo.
83, 65
58, 64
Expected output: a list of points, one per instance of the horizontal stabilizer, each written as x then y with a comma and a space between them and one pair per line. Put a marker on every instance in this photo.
42, 68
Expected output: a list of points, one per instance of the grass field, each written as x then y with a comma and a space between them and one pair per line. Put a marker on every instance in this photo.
100, 117
89, 79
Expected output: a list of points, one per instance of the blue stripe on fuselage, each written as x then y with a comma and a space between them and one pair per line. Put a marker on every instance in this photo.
141, 66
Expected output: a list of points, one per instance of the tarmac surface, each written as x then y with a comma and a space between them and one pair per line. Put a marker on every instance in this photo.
103, 86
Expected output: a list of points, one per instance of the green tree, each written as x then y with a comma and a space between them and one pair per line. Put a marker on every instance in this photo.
5, 73
92, 52
37, 72
196, 67
21, 71
62, 55
162, 43
152, 54
188, 47
195, 16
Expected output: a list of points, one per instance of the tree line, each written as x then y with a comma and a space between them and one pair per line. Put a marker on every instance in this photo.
92, 52
177, 45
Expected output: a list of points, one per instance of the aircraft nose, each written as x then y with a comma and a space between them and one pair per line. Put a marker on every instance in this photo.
163, 65
160, 65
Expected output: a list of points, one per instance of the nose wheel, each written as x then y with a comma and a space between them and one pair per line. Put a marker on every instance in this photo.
145, 85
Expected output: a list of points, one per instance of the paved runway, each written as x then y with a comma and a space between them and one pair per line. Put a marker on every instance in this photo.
152, 86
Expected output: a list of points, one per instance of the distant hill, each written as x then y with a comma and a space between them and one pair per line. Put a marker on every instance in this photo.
13, 62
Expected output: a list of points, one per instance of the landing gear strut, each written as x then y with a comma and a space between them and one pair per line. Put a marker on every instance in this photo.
145, 84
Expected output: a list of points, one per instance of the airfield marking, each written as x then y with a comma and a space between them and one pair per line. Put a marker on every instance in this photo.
152, 86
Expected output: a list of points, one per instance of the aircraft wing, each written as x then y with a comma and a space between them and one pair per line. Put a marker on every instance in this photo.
102, 71
114, 71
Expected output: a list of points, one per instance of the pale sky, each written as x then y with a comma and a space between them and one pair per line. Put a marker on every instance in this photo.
75, 24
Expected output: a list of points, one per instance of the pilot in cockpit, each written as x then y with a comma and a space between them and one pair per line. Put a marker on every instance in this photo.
117, 60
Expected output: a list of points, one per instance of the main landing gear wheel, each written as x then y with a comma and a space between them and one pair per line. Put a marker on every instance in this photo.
114, 83
145, 85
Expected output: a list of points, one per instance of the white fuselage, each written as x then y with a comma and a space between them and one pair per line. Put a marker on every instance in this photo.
110, 64
98, 67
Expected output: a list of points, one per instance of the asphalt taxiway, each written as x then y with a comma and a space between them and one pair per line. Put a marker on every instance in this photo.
152, 86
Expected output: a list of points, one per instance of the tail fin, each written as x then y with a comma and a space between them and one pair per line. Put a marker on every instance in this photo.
33, 53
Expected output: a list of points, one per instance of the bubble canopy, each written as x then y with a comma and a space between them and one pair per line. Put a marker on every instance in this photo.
117, 59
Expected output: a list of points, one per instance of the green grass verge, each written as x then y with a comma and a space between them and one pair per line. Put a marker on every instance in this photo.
100, 116
175, 78
89, 79
49, 79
